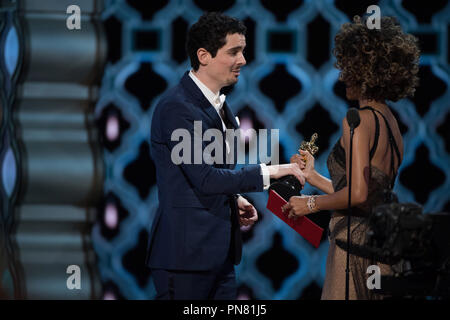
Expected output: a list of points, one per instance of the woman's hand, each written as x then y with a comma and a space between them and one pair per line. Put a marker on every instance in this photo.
308, 164
298, 159
296, 207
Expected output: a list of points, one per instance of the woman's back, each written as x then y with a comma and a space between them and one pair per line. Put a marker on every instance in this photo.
385, 141
382, 156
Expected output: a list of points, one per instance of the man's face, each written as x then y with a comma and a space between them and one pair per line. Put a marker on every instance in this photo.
225, 67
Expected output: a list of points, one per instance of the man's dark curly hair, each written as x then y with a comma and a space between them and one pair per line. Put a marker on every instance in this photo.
210, 33
381, 63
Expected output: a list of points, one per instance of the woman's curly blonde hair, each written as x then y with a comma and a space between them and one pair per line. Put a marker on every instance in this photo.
382, 64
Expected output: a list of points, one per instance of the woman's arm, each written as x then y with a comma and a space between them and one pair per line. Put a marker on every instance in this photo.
306, 162
320, 182
360, 175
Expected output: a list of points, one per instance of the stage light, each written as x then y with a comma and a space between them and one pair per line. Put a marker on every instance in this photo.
112, 128
111, 216
246, 125
243, 296
109, 296
11, 53
9, 172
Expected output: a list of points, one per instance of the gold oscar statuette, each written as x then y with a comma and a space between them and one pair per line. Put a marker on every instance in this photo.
310, 146
289, 186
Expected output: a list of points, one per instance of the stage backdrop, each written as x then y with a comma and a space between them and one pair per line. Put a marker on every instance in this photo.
289, 83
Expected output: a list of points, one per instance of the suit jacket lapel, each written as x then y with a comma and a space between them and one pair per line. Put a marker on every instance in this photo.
212, 113
230, 116
201, 100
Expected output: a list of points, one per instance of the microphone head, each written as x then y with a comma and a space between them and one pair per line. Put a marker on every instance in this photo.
353, 118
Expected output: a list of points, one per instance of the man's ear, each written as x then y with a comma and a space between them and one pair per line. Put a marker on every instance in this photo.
203, 56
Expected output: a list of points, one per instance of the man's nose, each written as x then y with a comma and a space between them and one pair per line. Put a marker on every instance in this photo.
242, 60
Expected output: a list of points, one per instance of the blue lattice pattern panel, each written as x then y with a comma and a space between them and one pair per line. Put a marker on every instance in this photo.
289, 83
10, 160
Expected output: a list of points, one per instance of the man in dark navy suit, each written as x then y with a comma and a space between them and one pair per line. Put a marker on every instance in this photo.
195, 239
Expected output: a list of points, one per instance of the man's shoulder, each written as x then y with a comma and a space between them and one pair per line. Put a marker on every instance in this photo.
173, 94
172, 99
176, 103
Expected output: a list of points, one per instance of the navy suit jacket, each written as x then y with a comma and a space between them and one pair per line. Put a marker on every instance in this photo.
196, 225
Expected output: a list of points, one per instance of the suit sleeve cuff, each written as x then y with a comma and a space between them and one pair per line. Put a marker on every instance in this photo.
266, 176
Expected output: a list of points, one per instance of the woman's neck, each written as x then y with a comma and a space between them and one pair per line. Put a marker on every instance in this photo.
372, 103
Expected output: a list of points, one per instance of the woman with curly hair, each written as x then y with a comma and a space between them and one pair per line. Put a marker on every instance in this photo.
376, 65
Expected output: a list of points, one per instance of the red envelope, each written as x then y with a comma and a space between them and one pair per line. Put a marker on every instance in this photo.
304, 226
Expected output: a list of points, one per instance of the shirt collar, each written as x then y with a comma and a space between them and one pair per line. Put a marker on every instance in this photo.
216, 99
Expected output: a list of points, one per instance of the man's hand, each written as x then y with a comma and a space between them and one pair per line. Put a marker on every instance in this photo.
247, 212
281, 170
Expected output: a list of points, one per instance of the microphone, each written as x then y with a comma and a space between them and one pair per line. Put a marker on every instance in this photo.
353, 118
353, 121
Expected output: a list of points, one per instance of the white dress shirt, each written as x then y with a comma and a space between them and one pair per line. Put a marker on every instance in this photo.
217, 100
